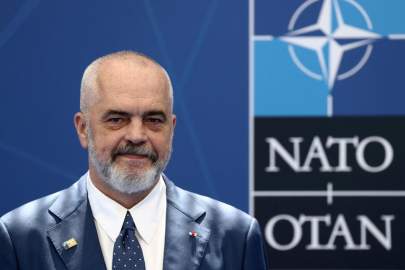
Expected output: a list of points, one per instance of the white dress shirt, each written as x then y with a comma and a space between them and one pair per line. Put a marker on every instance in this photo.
149, 216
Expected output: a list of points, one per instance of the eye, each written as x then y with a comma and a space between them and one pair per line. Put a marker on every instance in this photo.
155, 120
115, 120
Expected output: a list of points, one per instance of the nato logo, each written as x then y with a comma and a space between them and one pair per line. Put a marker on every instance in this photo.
328, 57
327, 87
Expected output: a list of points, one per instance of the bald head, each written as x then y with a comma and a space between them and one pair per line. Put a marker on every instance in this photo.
117, 66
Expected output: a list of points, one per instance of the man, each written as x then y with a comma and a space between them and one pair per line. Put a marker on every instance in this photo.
124, 213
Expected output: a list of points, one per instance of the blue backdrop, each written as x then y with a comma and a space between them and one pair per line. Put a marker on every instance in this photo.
45, 46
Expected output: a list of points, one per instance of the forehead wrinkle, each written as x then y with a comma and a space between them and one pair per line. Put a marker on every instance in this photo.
134, 105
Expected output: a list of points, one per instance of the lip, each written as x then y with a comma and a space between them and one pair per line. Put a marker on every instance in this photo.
133, 157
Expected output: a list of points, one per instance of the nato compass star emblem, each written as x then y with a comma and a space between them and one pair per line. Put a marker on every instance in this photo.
333, 42
330, 37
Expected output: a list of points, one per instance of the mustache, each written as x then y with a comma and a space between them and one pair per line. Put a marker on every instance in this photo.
132, 149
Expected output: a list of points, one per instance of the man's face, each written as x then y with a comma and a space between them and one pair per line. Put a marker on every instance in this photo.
130, 126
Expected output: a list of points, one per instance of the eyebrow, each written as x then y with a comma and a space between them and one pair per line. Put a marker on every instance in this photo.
155, 113
114, 112
126, 114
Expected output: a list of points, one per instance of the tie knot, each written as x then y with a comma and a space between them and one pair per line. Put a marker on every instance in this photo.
128, 222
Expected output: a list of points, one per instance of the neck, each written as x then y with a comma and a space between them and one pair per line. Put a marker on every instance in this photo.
126, 200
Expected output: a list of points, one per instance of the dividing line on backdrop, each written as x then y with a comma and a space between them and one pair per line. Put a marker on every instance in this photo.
326, 126
329, 193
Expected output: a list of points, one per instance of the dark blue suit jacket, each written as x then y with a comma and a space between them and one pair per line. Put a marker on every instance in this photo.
32, 236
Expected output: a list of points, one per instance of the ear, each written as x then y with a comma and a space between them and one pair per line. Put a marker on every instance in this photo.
81, 129
174, 120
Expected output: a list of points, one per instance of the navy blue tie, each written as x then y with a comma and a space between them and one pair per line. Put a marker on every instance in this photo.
127, 251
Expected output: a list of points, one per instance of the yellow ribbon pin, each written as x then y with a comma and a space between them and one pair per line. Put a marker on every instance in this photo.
69, 243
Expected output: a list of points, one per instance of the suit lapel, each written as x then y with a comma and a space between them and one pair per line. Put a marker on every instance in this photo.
76, 222
182, 250
184, 215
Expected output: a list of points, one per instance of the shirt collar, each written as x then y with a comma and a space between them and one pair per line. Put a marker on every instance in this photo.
110, 215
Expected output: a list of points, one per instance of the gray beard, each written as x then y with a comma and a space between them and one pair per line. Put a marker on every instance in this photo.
123, 182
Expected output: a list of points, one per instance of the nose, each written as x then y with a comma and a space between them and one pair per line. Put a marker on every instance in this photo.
135, 132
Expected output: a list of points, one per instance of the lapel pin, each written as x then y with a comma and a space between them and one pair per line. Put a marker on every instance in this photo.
193, 234
69, 243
